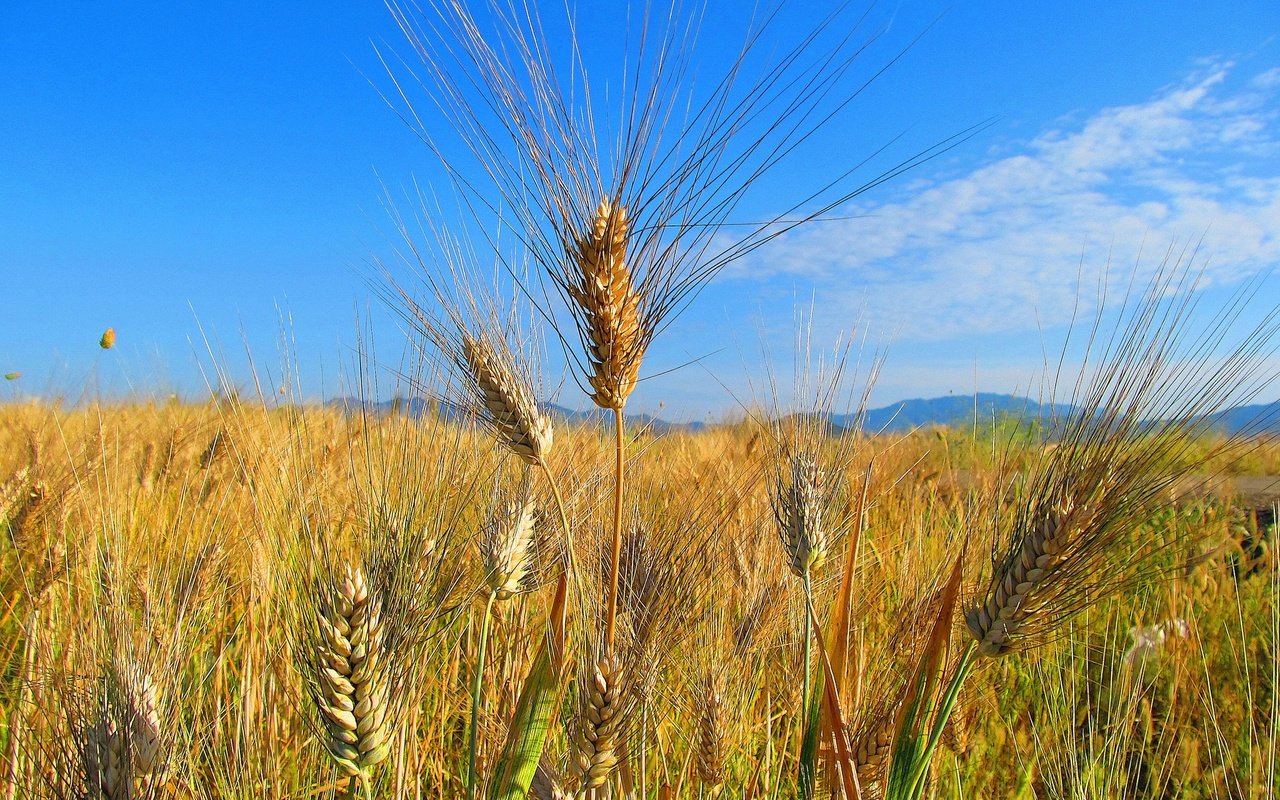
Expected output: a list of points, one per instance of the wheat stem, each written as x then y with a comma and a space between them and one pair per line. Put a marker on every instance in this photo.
808, 633
620, 452
807, 781
564, 516
919, 778
475, 695
643, 755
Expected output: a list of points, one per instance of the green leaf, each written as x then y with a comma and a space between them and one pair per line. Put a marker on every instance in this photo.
539, 699
808, 775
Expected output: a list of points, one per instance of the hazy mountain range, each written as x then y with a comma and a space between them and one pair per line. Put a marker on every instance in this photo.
905, 415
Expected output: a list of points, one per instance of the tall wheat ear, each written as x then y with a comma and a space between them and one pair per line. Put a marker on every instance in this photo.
509, 541
808, 456
608, 305
1143, 408
367, 579
807, 461
627, 230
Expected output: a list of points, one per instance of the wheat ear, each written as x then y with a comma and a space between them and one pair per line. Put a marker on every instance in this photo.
798, 508
352, 694
506, 547
599, 734
609, 306
514, 414
711, 736
121, 753
871, 755
1012, 602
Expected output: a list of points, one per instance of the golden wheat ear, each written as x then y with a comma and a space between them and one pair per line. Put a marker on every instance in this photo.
351, 693
506, 400
486, 353
712, 734
1142, 421
597, 746
608, 306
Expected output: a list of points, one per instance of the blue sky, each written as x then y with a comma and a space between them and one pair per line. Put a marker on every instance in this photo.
216, 173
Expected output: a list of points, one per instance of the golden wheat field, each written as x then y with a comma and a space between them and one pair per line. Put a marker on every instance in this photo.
465, 594
188, 590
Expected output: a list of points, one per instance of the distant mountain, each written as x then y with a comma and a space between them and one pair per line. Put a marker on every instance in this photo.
1249, 420
961, 410
952, 410
417, 406
906, 415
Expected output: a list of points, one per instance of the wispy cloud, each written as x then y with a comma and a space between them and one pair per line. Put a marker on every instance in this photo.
998, 250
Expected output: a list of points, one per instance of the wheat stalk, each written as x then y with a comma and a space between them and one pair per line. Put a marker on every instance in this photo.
506, 546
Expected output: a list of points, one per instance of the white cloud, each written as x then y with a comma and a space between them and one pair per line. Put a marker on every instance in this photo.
999, 250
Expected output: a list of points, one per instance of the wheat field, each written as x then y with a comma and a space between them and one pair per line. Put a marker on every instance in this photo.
464, 594
166, 566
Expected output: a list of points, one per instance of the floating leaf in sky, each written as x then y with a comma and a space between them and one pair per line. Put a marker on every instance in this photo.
12, 376
108, 339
